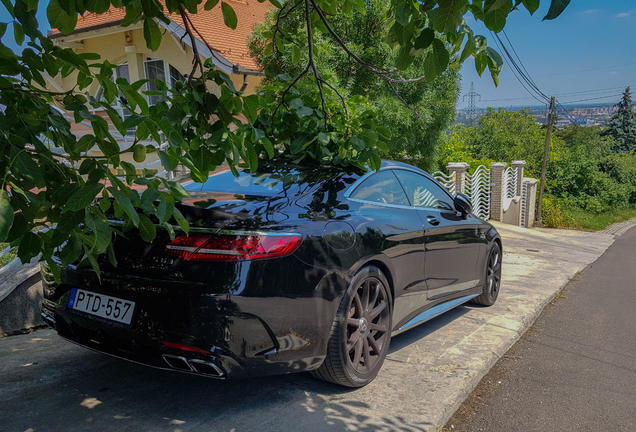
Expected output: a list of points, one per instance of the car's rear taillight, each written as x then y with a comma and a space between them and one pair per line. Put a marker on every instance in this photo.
232, 247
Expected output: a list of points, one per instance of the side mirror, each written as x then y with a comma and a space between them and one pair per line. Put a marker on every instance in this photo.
462, 204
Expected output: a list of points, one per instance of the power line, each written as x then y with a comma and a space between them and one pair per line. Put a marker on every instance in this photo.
510, 62
589, 99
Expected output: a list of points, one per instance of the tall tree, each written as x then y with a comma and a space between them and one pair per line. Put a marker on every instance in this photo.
622, 125
411, 138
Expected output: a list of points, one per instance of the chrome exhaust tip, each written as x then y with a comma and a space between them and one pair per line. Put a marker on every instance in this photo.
177, 362
206, 368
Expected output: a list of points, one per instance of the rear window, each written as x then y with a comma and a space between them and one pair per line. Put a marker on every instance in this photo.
260, 183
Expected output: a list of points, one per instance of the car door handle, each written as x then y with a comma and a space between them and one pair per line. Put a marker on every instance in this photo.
432, 220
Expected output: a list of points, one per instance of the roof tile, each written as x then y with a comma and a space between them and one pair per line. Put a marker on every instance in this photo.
231, 44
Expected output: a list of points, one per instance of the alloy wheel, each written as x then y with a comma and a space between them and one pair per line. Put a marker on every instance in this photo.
367, 325
494, 273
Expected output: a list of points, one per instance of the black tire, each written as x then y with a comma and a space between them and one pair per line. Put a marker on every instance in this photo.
361, 331
492, 281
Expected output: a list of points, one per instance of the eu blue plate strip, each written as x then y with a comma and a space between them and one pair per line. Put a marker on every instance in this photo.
71, 299
437, 310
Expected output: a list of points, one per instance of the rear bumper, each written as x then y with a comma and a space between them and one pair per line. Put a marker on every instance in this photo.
234, 336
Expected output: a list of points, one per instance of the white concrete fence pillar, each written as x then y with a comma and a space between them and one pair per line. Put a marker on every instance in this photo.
531, 197
519, 165
497, 190
457, 171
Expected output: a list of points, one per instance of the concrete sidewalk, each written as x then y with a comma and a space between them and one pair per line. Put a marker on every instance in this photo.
49, 384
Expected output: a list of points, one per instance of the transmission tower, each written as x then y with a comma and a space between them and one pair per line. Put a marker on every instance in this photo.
471, 110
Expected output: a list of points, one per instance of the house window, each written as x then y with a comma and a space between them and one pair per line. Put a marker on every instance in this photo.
154, 69
159, 69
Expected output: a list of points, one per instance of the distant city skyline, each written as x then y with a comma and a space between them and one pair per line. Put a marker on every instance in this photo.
587, 54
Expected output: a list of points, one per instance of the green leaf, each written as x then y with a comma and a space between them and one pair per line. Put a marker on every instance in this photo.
183, 222
229, 16
495, 19
531, 5
83, 197
404, 58
101, 231
168, 161
369, 135
481, 61
269, 148
18, 33
250, 107
6, 215
71, 251
382, 146
94, 264
152, 34
210, 4
104, 205
175, 139
30, 245
358, 143
323, 138
296, 103
252, 157
402, 14
495, 57
468, 49
295, 53
403, 34
556, 7
132, 121
97, 6
60, 19
133, 15
448, 16
7, 4
147, 229
441, 57
149, 196
304, 111
479, 44
384, 132
285, 77
425, 39
164, 211
123, 201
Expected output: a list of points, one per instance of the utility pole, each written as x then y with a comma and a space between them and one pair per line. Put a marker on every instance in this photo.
545, 162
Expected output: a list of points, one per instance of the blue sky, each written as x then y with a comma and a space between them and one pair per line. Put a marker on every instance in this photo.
591, 46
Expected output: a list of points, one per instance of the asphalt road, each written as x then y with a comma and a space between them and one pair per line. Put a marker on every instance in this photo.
575, 368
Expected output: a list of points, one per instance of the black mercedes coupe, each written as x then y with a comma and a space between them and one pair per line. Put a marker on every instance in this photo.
288, 269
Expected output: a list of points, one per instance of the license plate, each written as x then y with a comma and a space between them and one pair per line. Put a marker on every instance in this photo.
101, 305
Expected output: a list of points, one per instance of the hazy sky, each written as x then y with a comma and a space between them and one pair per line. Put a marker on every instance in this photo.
591, 46
587, 54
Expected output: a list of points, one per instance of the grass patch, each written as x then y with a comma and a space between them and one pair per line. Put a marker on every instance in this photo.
6, 259
563, 217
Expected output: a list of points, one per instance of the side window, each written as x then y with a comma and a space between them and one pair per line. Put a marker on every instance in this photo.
382, 188
423, 192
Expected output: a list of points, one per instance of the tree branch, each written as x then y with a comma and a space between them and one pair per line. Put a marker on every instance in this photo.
196, 60
282, 99
310, 42
381, 72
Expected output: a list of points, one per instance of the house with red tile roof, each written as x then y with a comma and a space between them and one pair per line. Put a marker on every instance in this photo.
126, 47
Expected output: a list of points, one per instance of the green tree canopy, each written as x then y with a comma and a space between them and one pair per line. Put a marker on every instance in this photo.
410, 138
